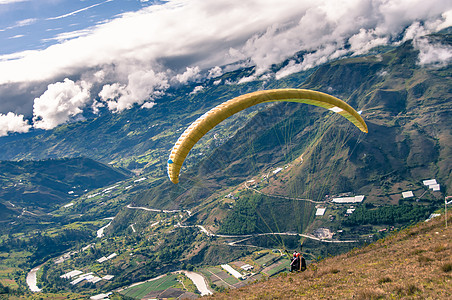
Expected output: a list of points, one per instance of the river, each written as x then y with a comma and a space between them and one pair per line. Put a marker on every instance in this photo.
31, 279
199, 281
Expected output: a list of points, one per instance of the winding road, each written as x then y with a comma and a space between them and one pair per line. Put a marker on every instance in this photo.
282, 197
246, 236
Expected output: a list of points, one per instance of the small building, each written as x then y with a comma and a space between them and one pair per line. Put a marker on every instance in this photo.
247, 267
100, 296
113, 255
71, 274
94, 279
108, 277
102, 259
429, 182
434, 187
350, 211
277, 171
87, 276
320, 211
407, 194
78, 280
231, 271
355, 199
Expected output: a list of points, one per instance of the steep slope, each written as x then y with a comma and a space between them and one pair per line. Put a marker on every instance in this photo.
414, 263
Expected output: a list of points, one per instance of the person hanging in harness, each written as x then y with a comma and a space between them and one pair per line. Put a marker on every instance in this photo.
298, 262
295, 262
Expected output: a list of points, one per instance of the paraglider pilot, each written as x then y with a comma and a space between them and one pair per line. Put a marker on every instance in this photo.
298, 262
295, 262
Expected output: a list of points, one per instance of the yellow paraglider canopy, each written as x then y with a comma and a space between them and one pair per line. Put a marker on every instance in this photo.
223, 111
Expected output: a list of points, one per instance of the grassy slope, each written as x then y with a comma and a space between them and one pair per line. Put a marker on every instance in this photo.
414, 263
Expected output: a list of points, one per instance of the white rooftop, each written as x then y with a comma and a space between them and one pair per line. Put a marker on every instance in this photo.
78, 280
112, 256
94, 279
429, 182
247, 267
102, 259
277, 170
232, 271
355, 199
320, 211
100, 296
434, 187
71, 274
350, 211
408, 194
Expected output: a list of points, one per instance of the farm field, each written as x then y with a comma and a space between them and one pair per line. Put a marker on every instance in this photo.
163, 283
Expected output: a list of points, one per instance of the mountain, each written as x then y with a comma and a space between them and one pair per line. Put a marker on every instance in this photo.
407, 108
41, 186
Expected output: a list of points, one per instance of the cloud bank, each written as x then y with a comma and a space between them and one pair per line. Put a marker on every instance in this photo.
12, 123
137, 56
60, 102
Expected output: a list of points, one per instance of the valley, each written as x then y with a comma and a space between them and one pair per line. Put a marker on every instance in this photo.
87, 217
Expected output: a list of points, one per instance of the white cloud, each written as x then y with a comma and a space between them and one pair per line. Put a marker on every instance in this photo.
77, 11
433, 53
61, 37
183, 33
21, 23
447, 20
11, 1
215, 72
190, 74
141, 53
365, 40
16, 36
197, 89
148, 105
59, 103
328, 26
140, 86
247, 79
13, 123
26, 22
414, 31
292, 67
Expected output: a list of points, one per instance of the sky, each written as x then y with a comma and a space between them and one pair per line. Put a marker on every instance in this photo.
59, 58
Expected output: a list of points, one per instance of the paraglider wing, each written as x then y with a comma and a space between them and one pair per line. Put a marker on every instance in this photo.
223, 111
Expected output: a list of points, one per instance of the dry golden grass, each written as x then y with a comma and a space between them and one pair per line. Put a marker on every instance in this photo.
415, 263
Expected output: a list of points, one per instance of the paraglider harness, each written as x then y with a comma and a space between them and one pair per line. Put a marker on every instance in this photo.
298, 262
